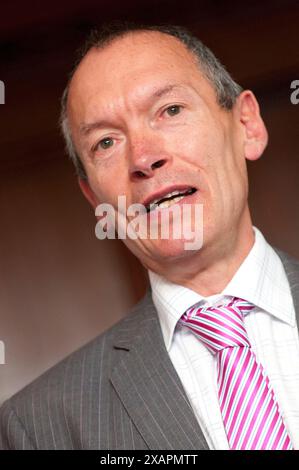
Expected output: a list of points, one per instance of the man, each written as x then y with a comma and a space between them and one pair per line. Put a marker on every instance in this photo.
150, 114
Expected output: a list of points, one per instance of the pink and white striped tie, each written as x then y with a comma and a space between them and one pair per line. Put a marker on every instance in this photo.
249, 409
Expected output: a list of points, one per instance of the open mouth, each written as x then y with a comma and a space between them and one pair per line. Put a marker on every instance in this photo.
169, 199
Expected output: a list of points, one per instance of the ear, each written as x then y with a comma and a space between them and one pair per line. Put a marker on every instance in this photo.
88, 192
255, 132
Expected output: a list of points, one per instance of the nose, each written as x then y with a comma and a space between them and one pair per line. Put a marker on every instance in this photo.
145, 157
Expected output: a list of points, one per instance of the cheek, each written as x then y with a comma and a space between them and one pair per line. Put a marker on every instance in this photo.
103, 189
202, 147
108, 180
210, 151
184, 145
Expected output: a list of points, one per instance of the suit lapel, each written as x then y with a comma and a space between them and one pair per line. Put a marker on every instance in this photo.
291, 267
149, 387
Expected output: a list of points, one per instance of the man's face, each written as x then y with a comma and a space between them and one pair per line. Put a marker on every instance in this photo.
159, 128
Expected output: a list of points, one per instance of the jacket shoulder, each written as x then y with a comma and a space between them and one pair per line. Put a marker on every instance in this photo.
93, 355
59, 392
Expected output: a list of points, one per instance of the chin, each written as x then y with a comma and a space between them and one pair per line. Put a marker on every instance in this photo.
172, 249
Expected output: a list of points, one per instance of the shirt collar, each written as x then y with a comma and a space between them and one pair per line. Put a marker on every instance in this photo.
260, 279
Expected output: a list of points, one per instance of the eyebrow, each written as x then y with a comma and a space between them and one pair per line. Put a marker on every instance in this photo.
87, 128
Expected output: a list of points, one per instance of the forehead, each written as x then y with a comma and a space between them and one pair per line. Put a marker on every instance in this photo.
131, 66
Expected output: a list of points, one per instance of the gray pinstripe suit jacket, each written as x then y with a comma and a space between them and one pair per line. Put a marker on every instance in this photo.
121, 391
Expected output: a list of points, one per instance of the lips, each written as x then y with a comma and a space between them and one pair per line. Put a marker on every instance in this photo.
168, 196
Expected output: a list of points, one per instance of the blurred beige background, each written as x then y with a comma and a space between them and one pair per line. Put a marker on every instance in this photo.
59, 285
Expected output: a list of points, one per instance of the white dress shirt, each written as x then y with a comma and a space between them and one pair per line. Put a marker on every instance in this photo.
272, 331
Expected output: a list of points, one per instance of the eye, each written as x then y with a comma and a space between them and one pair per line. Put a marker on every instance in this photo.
173, 110
105, 143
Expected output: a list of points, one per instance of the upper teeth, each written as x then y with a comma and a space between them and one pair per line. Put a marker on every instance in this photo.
170, 202
162, 204
174, 193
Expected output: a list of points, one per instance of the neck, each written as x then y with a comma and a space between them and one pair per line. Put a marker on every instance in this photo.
212, 267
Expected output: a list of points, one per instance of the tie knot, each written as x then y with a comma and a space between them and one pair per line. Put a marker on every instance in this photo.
219, 327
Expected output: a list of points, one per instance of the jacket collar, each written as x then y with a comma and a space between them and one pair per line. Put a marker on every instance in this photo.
148, 385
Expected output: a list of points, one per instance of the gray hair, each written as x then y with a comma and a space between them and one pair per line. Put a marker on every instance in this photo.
225, 87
